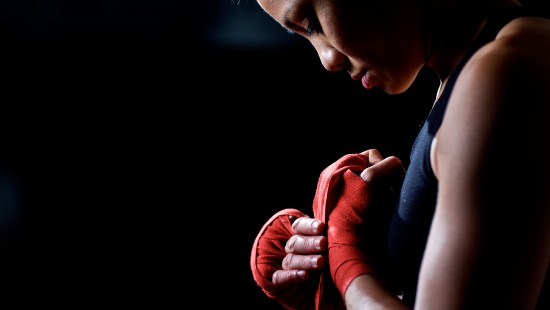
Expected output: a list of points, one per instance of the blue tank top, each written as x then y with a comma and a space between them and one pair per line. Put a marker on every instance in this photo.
410, 223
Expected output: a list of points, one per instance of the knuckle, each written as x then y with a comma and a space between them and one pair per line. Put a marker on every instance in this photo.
297, 223
302, 222
291, 244
287, 260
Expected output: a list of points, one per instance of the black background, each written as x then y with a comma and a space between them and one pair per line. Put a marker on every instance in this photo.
144, 144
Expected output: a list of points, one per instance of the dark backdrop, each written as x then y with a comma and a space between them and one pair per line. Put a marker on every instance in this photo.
144, 144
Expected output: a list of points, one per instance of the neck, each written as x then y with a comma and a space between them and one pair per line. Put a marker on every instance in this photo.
454, 27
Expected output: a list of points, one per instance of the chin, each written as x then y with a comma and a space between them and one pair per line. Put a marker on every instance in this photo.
396, 87
393, 90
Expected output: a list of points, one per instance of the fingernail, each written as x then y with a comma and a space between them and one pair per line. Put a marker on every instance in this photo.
314, 262
317, 243
315, 225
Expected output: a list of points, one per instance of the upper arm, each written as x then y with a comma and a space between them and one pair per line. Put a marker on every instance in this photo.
490, 239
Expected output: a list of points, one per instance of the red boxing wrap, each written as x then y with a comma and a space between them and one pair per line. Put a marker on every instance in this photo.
267, 256
342, 201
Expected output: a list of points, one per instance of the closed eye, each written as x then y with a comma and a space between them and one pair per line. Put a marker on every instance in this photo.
313, 27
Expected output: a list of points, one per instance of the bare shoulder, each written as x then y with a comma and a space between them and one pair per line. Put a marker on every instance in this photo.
525, 40
495, 136
501, 100
521, 49
491, 161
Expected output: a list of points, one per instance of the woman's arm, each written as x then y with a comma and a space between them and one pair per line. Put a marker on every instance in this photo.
489, 245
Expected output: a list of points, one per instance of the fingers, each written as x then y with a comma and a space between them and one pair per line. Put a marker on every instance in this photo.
373, 155
308, 237
296, 268
303, 262
308, 226
298, 244
283, 278
304, 250
387, 171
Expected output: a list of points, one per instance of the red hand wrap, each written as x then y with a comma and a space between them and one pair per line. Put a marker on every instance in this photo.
341, 201
267, 256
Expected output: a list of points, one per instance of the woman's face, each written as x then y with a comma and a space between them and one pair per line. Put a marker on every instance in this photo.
379, 42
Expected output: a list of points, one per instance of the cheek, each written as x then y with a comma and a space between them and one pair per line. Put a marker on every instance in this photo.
362, 37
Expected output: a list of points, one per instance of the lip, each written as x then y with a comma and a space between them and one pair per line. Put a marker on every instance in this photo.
366, 79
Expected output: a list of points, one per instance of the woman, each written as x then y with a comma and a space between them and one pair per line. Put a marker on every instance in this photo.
471, 225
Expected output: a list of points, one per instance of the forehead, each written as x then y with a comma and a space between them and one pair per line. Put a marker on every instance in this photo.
278, 9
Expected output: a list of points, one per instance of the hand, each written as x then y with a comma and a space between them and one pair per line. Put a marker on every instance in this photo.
304, 252
359, 209
382, 171
305, 248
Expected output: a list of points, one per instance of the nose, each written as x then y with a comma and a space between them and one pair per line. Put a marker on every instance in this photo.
331, 58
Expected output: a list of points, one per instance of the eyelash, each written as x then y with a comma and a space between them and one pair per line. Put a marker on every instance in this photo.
313, 27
